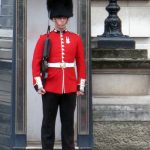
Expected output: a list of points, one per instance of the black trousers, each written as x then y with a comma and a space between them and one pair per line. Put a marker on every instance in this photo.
66, 104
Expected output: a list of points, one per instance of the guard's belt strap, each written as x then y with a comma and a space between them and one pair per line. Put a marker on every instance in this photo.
61, 65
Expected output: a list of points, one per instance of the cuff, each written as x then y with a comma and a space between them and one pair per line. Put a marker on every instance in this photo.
38, 84
81, 86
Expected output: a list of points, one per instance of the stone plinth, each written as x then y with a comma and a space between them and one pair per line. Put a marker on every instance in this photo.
119, 58
121, 101
115, 42
121, 83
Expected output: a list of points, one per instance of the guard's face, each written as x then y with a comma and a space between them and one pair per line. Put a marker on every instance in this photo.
61, 22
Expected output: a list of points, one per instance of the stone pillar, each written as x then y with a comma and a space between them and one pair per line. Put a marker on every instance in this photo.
20, 66
85, 123
19, 76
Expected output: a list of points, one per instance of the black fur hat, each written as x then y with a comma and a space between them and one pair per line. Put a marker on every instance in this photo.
60, 8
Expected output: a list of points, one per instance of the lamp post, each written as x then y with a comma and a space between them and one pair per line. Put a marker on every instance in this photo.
112, 36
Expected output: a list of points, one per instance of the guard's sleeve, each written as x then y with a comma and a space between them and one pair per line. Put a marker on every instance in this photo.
81, 67
36, 61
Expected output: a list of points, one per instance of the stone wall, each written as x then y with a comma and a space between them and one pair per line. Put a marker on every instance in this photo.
121, 94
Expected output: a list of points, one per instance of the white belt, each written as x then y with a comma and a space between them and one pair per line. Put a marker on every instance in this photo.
61, 65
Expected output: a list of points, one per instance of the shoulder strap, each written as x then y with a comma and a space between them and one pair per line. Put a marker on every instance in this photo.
48, 30
47, 45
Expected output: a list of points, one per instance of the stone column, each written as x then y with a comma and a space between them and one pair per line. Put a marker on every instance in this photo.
19, 75
85, 123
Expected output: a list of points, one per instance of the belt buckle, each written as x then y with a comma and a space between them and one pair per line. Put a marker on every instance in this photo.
63, 65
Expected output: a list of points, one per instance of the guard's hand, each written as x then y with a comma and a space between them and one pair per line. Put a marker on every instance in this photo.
41, 91
79, 93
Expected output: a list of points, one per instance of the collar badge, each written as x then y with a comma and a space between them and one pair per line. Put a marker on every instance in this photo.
67, 40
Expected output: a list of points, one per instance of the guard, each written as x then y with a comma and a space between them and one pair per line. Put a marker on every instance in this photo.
66, 75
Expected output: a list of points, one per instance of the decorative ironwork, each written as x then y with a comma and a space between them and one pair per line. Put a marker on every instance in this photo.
113, 22
112, 38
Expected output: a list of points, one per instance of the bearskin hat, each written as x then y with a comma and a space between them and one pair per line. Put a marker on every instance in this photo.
60, 8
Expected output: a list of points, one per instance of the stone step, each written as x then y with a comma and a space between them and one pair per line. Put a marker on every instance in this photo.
1, 16
5, 54
119, 53
40, 148
5, 129
120, 63
5, 107
37, 146
5, 118
6, 2
6, 9
6, 21
5, 140
5, 64
6, 33
121, 108
122, 100
6, 43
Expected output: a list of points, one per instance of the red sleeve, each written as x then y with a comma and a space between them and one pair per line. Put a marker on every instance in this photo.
80, 61
37, 57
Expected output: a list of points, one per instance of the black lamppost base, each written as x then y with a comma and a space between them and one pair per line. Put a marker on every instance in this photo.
115, 43
113, 38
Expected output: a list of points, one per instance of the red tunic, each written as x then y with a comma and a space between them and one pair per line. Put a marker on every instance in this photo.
65, 47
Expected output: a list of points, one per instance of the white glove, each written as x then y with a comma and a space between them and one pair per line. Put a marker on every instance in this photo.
41, 91
79, 93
